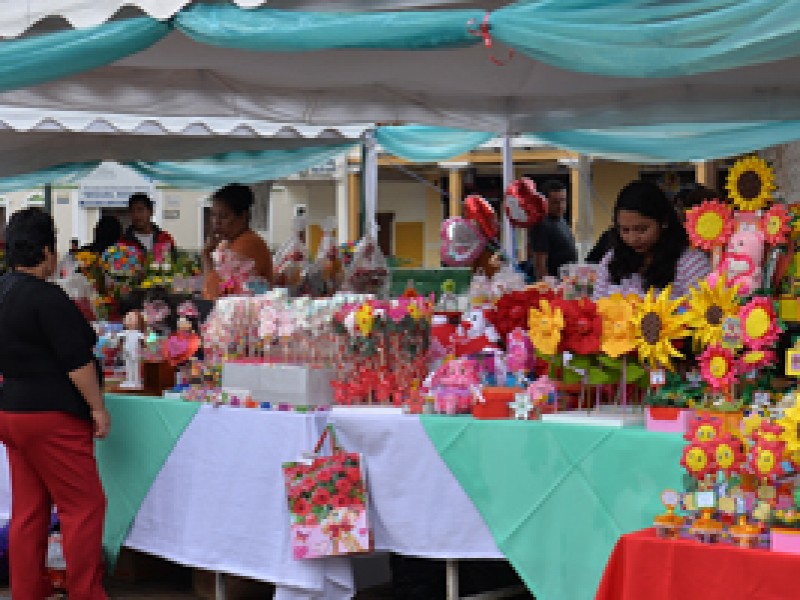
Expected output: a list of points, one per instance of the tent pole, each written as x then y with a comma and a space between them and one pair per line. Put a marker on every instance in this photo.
48, 198
509, 237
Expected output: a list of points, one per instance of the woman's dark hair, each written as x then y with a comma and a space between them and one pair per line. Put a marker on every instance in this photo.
239, 198
141, 198
29, 232
693, 196
107, 232
648, 200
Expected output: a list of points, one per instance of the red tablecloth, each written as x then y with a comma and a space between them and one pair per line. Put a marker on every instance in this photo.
643, 567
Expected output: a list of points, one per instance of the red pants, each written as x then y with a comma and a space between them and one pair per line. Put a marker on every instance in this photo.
51, 456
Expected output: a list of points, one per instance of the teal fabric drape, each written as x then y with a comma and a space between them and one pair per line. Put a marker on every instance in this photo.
65, 173
144, 433
287, 30
241, 167
557, 497
674, 142
422, 143
651, 38
37, 59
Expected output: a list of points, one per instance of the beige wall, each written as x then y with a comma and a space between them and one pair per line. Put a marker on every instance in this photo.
608, 178
186, 229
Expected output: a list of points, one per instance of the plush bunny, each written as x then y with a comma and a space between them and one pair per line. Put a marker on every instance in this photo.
741, 262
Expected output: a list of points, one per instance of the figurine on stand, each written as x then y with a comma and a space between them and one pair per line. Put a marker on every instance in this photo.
132, 338
181, 347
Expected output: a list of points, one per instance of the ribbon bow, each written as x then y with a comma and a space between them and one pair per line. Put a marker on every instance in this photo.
484, 31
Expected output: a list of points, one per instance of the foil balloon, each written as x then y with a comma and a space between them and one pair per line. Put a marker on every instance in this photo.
479, 210
461, 242
524, 206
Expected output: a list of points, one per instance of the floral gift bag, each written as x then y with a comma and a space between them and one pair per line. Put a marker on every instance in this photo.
327, 498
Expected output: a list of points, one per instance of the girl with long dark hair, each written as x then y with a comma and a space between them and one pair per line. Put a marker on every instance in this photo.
649, 246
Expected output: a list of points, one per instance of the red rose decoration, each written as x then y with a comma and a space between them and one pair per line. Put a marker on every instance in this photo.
524, 205
512, 309
583, 326
479, 210
301, 507
321, 496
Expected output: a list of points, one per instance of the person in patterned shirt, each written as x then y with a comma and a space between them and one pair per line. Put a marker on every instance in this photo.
649, 246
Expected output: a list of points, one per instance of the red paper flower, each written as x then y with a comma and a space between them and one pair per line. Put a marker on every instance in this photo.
718, 367
709, 225
766, 458
512, 309
776, 225
583, 326
728, 455
703, 429
760, 327
698, 459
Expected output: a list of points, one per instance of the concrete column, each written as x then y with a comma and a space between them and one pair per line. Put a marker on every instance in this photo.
582, 209
455, 185
705, 173
353, 203
342, 224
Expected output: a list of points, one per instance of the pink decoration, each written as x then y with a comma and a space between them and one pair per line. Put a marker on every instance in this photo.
519, 352
461, 242
741, 262
451, 386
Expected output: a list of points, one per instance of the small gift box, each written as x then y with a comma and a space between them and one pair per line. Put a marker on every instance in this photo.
495, 405
668, 419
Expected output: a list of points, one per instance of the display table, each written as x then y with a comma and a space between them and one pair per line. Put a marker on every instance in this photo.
552, 499
557, 497
643, 566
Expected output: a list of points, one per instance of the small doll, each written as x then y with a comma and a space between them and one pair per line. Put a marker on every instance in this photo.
132, 339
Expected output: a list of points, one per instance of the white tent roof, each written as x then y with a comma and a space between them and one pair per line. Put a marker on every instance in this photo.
31, 140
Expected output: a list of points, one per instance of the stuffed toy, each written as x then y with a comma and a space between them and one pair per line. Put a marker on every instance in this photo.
741, 262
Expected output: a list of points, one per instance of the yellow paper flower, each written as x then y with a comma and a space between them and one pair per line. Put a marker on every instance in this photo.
750, 183
545, 324
657, 324
790, 422
619, 332
708, 309
365, 319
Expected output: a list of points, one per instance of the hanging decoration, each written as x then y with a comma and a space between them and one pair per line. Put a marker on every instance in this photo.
525, 206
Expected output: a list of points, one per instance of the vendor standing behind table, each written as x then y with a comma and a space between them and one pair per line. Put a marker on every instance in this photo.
230, 230
50, 408
143, 234
649, 246
550, 242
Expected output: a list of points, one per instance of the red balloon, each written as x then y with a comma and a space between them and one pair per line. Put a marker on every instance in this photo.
524, 206
480, 211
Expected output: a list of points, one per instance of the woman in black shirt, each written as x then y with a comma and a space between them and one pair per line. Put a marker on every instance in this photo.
50, 406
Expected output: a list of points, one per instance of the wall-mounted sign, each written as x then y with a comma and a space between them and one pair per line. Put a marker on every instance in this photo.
110, 186
172, 214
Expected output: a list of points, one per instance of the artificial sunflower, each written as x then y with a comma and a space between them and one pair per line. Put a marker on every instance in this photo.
760, 327
619, 332
703, 428
750, 183
718, 367
709, 225
657, 323
545, 324
708, 307
776, 225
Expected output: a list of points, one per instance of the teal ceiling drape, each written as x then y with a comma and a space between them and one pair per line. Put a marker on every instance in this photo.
422, 143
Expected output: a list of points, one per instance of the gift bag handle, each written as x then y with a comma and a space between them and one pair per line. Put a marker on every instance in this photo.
329, 430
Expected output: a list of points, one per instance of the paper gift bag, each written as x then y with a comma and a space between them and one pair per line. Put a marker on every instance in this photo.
327, 499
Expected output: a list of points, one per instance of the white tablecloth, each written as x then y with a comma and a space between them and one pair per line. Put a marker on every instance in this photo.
219, 500
418, 507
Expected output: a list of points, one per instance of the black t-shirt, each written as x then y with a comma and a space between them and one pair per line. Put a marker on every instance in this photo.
43, 336
552, 236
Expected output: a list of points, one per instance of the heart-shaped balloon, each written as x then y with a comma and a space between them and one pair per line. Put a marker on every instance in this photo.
524, 206
461, 242
479, 210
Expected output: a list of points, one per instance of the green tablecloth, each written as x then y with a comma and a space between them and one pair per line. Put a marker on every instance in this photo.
557, 497
143, 433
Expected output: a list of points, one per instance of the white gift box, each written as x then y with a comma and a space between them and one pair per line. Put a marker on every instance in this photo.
298, 385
